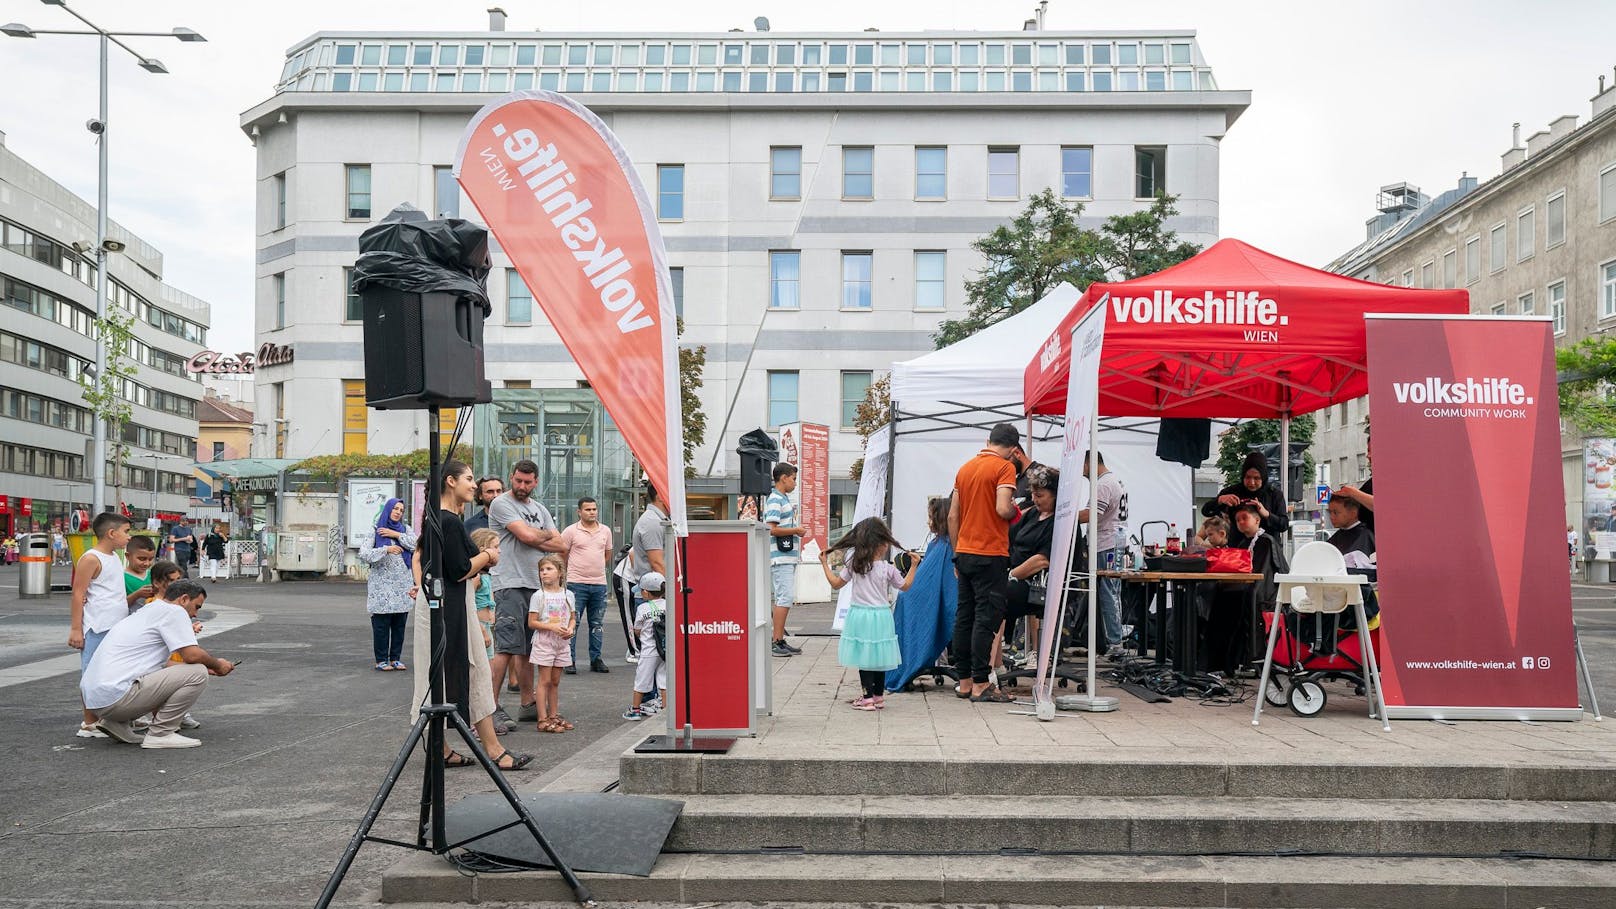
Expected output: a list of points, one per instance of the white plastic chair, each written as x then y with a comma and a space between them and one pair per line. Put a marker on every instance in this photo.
1318, 584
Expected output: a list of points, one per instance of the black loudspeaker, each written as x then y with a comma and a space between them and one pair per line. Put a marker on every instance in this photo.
422, 350
758, 452
755, 475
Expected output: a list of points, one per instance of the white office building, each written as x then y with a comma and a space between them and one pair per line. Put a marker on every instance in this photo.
818, 193
47, 282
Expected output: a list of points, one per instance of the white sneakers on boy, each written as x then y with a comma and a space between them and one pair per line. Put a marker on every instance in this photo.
172, 740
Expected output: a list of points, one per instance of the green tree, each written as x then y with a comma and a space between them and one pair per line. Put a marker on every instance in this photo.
1587, 373
1046, 245
692, 360
411, 464
874, 412
105, 392
1235, 443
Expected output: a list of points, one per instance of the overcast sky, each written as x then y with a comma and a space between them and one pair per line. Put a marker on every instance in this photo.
1345, 97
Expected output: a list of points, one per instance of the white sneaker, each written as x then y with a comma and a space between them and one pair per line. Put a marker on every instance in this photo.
190, 722
1030, 661
650, 708
172, 740
119, 731
88, 731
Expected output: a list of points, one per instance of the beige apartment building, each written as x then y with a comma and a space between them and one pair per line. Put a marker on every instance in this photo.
1539, 238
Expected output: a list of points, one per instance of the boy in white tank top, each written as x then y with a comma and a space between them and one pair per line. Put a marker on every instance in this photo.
98, 597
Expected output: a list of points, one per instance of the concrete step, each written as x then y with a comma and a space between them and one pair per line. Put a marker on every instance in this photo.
1205, 774
1072, 881
1148, 826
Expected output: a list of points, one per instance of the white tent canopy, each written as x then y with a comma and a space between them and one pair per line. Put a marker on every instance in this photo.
944, 403
988, 368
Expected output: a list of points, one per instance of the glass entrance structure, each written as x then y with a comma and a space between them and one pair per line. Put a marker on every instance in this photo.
580, 452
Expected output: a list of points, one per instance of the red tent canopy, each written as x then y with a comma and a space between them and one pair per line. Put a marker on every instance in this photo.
1233, 332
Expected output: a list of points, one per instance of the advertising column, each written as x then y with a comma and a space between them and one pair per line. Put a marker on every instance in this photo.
1476, 613
807, 445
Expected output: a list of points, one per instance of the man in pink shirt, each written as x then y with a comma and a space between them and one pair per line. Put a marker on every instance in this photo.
588, 546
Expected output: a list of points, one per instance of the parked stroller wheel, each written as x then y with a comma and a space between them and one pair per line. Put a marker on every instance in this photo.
1306, 698
1276, 695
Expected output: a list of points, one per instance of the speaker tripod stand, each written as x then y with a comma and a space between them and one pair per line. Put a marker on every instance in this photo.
431, 834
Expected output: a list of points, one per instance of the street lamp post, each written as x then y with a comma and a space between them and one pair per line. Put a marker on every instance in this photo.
99, 127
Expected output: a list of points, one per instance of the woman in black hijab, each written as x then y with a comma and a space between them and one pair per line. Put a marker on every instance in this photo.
1255, 489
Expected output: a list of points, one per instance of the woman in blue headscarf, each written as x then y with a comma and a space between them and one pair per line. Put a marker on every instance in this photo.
391, 591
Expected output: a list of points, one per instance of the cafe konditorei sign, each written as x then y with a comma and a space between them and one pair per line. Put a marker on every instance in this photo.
216, 363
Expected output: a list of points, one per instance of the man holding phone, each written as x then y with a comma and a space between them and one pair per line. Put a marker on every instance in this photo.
131, 676
781, 516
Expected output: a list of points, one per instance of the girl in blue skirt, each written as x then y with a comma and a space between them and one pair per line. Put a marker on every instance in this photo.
869, 641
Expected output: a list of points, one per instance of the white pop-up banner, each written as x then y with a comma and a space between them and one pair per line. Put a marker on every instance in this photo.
1082, 406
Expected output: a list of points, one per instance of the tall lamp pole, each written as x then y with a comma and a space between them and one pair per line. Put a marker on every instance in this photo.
103, 247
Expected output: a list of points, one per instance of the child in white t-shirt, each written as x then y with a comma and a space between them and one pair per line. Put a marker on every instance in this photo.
650, 675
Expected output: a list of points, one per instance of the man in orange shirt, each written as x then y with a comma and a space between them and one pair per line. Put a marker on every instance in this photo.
979, 517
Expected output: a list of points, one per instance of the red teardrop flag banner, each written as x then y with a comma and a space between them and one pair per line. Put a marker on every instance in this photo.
558, 192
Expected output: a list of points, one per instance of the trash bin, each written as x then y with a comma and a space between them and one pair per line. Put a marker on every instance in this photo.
35, 577
758, 453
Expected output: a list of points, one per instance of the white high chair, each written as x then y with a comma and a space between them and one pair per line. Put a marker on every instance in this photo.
1318, 584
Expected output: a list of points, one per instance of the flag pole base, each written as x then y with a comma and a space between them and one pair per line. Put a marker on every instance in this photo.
1083, 703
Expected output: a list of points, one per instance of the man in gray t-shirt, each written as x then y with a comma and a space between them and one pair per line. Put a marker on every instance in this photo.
1111, 547
526, 531
646, 553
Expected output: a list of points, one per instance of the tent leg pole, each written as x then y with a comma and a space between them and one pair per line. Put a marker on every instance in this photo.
892, 460
1285, 472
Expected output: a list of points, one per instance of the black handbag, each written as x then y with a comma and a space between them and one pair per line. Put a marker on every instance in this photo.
1038, 589
1183, 563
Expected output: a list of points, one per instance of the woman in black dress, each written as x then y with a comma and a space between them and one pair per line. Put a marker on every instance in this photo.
1031, 538
462, 562
1255, 489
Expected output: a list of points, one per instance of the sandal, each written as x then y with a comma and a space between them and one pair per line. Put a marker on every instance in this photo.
549, 725
384, 666
993, 696
399, 666
456, 759
517, 761
562, 722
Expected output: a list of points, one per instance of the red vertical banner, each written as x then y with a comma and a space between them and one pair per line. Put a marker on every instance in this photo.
1475, 589
807, 447
561, 196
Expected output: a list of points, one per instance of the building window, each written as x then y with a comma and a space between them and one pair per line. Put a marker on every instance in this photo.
1499, 309
785, 173
218, 451
676, 277
930, 291
353, 309
1472, 260
1498, 240
1607, 290
1077, 172
1408, 278
854, 386
1525, 235
1428, 275
518, 299
858, 172
1150, 171
857, 276
931, 173
785, 279
280, 420
358, 183
1607, 194
279, 288
355, 417
278, 187
1554, 220
1450, 268
782, 397
1557, 306
670, 180
1524, 304
445, 193
1004, 173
